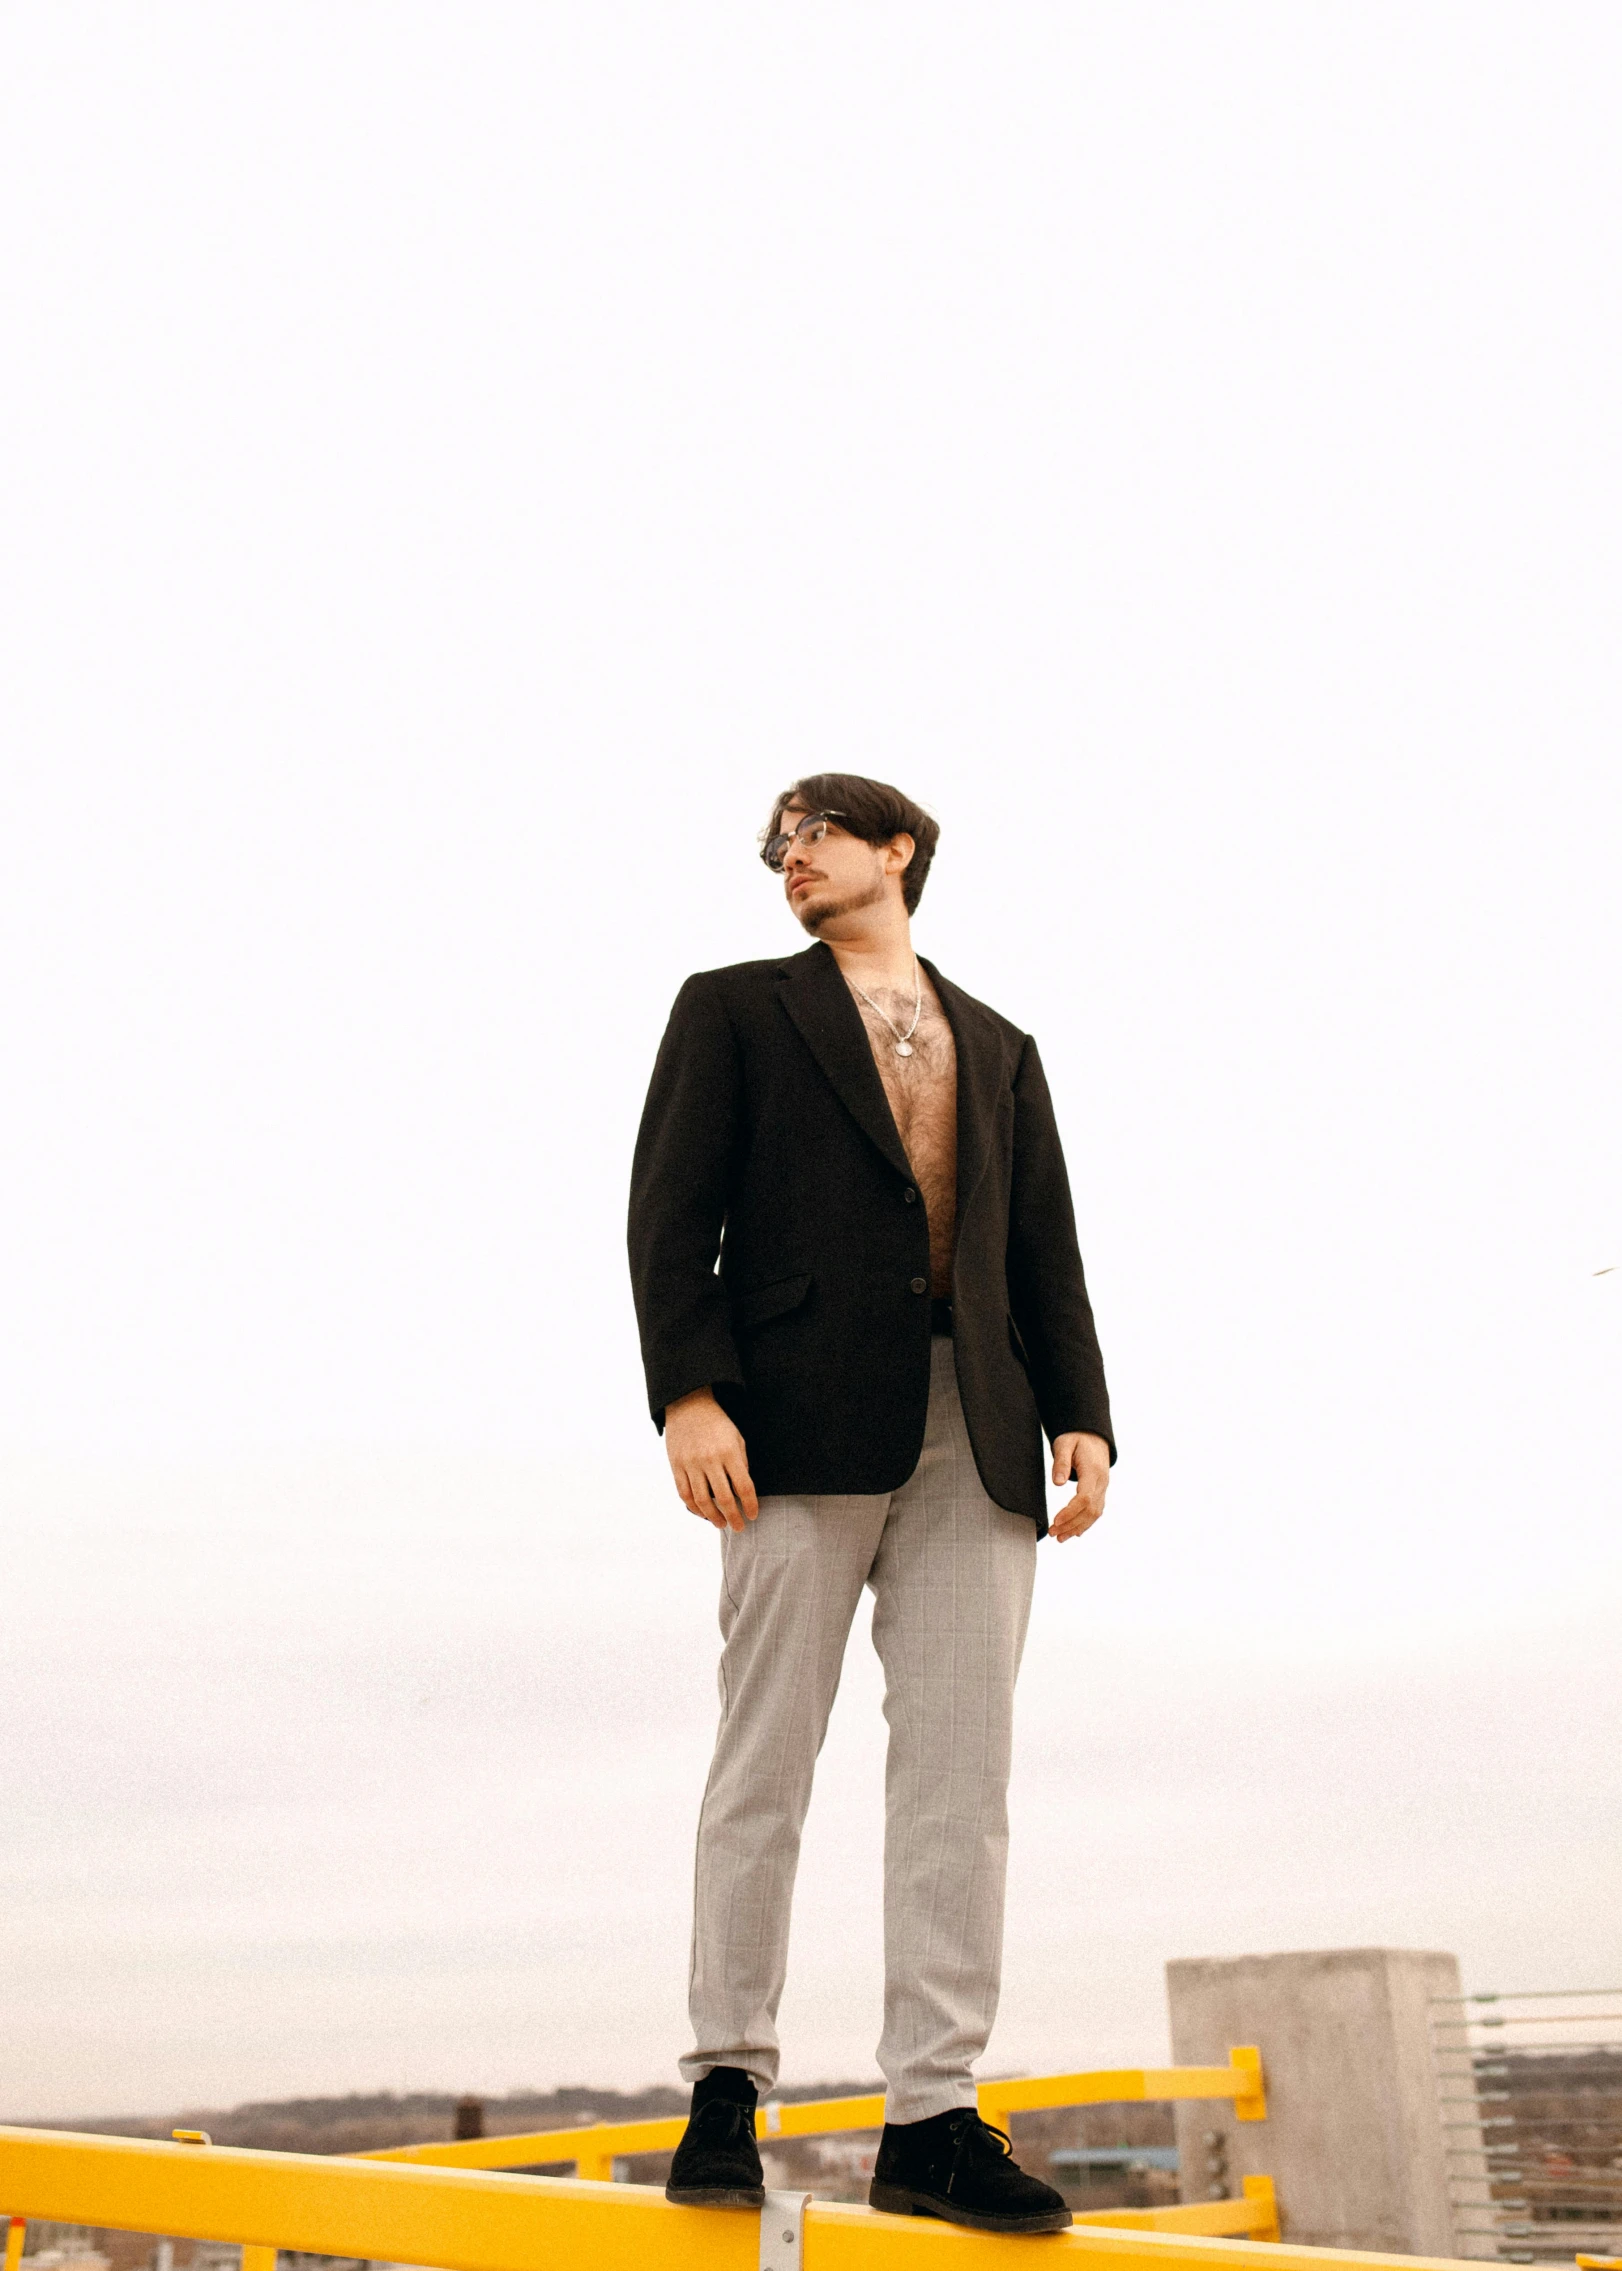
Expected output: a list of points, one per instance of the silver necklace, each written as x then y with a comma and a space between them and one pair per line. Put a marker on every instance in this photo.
903, 1041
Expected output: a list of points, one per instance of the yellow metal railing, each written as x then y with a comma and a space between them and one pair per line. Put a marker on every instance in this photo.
461, 2219
593, 2150
1253, 2217
1241, 2080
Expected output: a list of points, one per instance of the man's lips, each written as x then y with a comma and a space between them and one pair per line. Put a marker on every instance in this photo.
802, 883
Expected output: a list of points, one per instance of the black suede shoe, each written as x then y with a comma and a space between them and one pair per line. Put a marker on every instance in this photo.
956, 2166
717, 2163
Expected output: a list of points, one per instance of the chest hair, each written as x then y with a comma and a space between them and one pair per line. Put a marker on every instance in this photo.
922, 1092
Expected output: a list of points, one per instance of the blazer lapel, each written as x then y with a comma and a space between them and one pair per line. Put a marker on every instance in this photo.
980, 1079
818, 1000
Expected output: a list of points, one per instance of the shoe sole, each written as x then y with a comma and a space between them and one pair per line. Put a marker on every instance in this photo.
899, 2200
716, 2195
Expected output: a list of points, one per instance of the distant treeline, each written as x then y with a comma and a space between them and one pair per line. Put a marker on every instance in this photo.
366, 2121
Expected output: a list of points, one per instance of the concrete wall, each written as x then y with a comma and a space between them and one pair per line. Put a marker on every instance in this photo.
1353, 2137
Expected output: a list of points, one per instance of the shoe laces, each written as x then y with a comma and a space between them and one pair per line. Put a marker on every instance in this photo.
972, 2138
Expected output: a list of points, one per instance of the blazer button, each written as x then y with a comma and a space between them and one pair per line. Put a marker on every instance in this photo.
920, 1285
910, 1195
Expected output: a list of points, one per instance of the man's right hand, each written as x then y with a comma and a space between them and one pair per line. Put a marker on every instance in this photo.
709, 1461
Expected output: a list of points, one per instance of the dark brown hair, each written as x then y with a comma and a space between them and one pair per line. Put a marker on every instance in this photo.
873, 811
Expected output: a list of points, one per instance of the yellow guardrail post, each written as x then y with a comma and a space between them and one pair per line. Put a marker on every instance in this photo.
1250, 2101
1260, 2192
15, 2231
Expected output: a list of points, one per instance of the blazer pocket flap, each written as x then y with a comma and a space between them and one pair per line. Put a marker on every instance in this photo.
763, 1301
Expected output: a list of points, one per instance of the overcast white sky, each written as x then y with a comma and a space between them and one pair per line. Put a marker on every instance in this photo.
459, 463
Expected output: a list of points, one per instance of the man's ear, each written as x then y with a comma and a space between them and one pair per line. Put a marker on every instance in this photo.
898, 854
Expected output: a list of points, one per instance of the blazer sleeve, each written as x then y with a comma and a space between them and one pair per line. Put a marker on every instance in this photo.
679, 1181
1047, 1287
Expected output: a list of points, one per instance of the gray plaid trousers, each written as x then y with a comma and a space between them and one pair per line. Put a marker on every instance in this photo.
951, 1577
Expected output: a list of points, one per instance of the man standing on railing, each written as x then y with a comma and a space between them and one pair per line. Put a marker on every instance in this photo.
861, 1303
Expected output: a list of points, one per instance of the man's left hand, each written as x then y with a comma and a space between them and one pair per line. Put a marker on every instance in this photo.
1086, 1458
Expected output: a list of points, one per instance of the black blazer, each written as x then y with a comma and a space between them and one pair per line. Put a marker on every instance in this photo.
780, 1254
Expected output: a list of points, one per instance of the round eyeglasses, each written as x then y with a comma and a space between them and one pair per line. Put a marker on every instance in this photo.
810, 830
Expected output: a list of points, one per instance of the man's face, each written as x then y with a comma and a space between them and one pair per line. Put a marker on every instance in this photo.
823, 881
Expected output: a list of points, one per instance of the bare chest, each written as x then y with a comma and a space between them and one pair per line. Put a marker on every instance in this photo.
922, 1090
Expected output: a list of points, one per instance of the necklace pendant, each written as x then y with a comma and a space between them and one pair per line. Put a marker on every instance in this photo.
903, 1048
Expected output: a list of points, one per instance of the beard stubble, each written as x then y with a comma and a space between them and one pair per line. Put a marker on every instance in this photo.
813, 918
